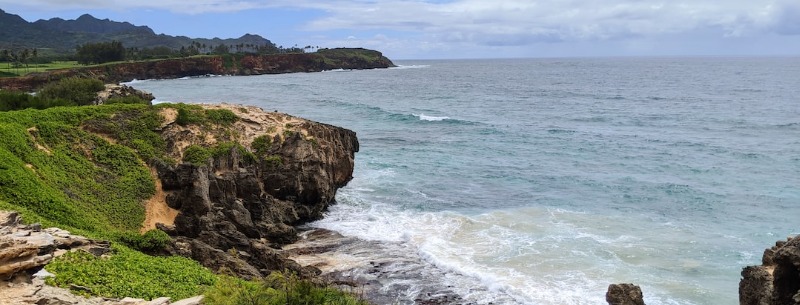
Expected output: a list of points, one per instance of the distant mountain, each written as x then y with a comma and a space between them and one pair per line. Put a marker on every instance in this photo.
88, 24
63, 35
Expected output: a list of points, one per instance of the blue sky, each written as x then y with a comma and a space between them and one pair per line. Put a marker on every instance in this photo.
434, 29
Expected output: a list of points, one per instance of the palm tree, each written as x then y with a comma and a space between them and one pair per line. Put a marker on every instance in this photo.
26, 54
5, 57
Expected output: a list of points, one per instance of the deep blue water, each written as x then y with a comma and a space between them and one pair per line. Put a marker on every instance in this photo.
541, 181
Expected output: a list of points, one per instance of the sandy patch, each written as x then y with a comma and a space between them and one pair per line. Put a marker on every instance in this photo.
156, 208
32, 131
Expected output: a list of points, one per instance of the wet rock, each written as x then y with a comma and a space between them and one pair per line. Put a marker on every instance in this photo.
624, 294
777, 280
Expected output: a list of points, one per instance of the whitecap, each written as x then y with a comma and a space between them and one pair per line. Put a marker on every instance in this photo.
429, 118
135, 81
403, 67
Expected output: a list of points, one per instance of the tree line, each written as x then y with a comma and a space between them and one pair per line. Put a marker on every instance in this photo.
103, 52
18, 58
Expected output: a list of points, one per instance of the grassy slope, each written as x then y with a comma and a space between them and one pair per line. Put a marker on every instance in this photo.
57, 173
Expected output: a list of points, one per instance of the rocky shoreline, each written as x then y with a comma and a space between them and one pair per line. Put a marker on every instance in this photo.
250, 64
239, 212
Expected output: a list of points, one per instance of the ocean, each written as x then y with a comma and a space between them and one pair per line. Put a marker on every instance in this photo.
542, 181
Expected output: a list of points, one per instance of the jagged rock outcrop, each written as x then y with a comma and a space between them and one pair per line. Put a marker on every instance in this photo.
121, 91
624, 294
234, 208
29, 247
325, 59
777, 280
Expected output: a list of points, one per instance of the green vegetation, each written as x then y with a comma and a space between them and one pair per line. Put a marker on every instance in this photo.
65, 92
197, 115
277, 289
273, 160
223, 117
77, 91
128, 273
198, 155
127, 100
11, 70
54, 169
150, 241
101, 52
261, 144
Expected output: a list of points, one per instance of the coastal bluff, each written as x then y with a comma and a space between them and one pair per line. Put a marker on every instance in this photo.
234, 209
229, 64
226, 183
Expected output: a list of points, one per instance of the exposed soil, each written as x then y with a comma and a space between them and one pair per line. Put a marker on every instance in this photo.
156, 209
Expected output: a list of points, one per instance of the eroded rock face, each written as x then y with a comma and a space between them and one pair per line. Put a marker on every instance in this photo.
235, 209
624, 294
29, 247
777, 280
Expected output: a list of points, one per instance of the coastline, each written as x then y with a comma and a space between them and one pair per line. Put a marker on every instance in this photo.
231, 64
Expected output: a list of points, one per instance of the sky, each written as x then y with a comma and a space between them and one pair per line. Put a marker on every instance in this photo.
455, 29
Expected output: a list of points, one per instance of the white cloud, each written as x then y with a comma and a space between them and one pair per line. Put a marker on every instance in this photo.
504, 23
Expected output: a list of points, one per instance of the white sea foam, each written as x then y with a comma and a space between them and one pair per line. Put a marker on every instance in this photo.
402, 67
424, 117
135, 81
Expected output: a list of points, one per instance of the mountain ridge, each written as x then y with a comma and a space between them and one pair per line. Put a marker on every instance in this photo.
63, 35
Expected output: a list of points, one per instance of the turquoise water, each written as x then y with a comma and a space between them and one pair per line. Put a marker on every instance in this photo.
543, 181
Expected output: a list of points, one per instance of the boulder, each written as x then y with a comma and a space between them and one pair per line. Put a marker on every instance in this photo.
624, 294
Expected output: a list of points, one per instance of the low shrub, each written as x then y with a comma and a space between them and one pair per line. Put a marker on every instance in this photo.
128, 273
196, 154
221, 116
127, 100
80, 91
261, 144
149, 242
277, 289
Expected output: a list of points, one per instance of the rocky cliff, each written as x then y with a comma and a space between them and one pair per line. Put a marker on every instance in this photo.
233, 208
233, 64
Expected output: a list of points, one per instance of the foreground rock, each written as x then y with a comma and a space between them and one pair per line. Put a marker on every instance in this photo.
624, 294
235, 210
777, 280
121, 91
28, 248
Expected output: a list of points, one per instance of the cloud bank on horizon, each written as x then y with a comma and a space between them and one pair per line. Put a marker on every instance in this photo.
479, 28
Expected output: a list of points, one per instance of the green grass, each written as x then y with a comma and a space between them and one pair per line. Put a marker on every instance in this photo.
51, 167
56, 65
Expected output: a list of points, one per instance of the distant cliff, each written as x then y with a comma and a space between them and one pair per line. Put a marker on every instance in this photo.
233, 64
